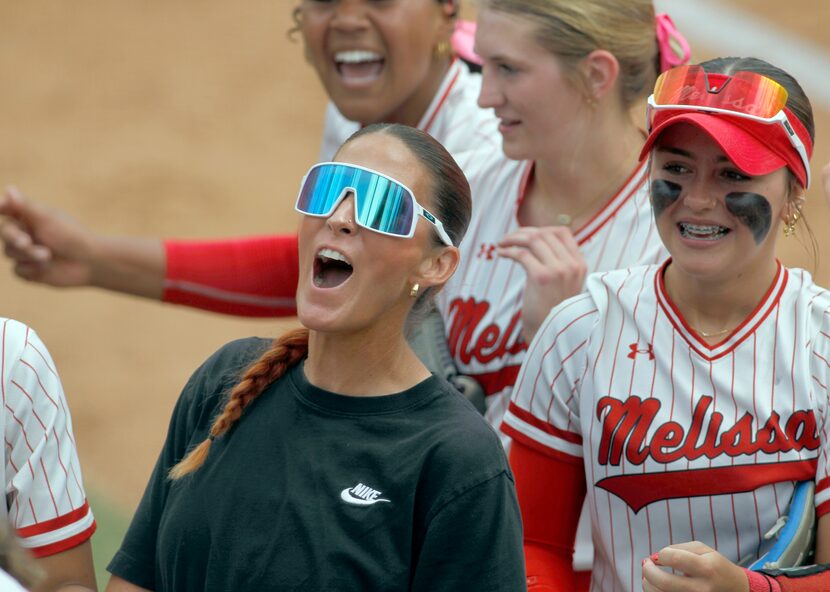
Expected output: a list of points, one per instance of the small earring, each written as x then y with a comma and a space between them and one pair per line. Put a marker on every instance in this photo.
789, 224
443, 50
414, 291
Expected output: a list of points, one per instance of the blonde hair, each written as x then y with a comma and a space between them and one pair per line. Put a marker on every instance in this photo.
572, 29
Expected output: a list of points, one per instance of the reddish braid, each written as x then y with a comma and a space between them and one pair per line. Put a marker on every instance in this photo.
286, 351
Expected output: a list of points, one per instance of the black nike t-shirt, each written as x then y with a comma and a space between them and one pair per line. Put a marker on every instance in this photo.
317, 491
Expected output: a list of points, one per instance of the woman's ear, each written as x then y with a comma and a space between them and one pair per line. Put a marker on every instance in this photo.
600, 72
450, 8
436, 268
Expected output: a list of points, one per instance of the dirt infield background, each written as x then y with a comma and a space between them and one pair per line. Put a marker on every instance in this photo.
192, 119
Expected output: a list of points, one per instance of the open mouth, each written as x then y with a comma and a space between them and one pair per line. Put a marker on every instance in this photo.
331, 269
358, 65
704, 232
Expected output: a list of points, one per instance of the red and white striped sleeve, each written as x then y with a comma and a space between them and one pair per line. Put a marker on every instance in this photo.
820, 370
45, 497
544, 407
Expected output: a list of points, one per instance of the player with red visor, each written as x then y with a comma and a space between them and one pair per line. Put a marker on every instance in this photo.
688, 400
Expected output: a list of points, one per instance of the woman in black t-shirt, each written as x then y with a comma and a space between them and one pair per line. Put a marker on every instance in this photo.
354, 468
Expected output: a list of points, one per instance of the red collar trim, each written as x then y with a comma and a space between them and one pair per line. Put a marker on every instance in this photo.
584, 233
632, 184
440, 98
739, 334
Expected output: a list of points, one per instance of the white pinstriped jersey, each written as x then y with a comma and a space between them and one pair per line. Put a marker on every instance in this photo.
453, 118
482, 302
45, 498
680, 440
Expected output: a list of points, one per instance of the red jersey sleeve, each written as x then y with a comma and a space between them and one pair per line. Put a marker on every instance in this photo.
550, 492
252, 276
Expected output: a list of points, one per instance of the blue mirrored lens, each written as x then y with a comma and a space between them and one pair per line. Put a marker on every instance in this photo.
322, 187
384, 205
381, 204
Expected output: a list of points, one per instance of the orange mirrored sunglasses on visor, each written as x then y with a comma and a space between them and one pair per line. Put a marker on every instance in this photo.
744, 94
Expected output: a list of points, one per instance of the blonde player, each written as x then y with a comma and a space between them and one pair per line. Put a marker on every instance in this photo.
689, 396
44, 496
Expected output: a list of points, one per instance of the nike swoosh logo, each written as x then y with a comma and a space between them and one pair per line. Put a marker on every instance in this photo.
346, 496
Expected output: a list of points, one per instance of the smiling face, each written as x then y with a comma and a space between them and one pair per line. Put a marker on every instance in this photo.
352, 278
716, 221
526, 86
376, 58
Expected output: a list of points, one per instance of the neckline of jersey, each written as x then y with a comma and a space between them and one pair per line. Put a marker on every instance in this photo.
734, 338
440, 98
327, 401
583, 234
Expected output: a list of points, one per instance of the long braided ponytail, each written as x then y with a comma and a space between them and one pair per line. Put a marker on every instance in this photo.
286, 351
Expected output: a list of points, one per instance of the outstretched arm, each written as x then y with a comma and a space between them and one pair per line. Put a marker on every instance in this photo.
49, 247
249, 277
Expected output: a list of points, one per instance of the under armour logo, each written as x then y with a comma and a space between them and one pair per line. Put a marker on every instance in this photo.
636, 349
486, 251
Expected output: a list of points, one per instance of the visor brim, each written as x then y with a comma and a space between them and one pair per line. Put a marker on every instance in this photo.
746, 150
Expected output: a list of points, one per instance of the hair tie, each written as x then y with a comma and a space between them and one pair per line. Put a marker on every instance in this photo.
673, 47
463, 40
211, 437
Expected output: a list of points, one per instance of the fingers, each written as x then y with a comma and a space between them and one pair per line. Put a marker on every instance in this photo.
658, 580
18, 242
695, 567
547, 254
696, 547
14, 205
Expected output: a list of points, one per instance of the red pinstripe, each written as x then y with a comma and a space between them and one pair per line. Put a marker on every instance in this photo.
688, 463
22, 429
49, 486
558, 374
40, 383
44, 358
3, 365
63, 468
37, 417
671, 418
711, 507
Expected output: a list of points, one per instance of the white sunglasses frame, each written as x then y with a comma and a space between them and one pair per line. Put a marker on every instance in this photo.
418, 209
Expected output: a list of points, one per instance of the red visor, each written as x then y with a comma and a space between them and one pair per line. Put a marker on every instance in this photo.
744, 114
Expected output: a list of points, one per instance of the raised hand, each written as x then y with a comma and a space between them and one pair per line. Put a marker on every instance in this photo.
554, 265
46, 245
49, 247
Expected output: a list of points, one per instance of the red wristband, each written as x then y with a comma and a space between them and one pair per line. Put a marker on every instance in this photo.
759, 582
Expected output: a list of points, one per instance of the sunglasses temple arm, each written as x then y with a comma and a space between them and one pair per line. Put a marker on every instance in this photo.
439, 228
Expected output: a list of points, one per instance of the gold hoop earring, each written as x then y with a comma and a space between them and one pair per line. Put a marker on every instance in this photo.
414, 291
789, 223
443, 50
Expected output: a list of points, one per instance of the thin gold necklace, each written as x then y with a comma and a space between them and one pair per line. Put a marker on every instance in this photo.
567, 219
713, 334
